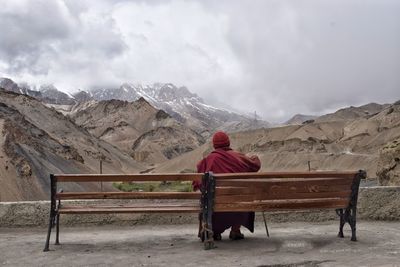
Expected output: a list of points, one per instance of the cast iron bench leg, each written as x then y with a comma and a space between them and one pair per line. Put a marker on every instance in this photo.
342, 222
352, 222
46, 247
57, 230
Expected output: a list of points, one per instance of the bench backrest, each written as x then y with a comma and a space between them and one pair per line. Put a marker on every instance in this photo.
187, 204
236, 191
284, 190
78, 178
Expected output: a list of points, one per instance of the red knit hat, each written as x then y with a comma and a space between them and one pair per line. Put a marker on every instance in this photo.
221, 139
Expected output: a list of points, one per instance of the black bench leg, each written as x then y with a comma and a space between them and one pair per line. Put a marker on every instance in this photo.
209, 239
57, 229
208, 211
46, 246
208, 232
53, 211
352, 222
339, 212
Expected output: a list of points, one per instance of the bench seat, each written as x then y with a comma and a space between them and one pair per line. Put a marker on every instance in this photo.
102, 209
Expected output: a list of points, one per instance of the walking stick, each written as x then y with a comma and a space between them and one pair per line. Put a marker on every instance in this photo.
265, 223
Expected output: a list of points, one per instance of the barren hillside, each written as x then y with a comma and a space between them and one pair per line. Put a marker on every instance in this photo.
36, 141
137, 128
352, 113
333, 145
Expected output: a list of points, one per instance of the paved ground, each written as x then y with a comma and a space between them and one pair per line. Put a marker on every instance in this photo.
290, 244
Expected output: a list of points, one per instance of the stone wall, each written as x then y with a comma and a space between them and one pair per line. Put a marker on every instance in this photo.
375, 203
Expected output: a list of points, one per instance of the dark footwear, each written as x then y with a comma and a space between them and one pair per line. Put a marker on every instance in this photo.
201, 236
236, 235
217, 237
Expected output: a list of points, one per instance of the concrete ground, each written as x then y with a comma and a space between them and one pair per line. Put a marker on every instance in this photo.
290, 244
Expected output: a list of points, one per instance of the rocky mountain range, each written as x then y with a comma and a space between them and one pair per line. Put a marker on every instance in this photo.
47, 131
336, 144
181, 104
178, 102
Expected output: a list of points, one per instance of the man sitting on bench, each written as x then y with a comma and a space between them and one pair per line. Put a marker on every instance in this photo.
224, 160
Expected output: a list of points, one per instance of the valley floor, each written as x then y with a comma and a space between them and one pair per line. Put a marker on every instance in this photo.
290, 244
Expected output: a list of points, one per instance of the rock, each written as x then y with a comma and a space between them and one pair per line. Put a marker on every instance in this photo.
24, 169
388, 171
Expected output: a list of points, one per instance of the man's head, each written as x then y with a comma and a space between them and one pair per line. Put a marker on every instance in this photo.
221, 140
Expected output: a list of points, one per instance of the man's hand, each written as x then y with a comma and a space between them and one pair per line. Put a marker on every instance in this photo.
254, 157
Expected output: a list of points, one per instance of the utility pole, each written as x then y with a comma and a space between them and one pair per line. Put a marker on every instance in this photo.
101, 172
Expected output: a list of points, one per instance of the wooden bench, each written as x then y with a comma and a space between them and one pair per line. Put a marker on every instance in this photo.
272, 191
280, 191
57, 207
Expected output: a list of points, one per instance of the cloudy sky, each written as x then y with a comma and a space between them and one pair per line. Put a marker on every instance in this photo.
277, 58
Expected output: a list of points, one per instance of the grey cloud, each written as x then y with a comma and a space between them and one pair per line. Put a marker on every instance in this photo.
274, 57
314, 56
28, 32
56, 39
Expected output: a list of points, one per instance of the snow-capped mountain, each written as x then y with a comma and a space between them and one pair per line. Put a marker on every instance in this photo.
24, 89
46, 93
9, 85
52, 95
180, 103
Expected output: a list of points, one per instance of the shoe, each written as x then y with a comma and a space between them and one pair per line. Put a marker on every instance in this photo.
217, 237
236, 235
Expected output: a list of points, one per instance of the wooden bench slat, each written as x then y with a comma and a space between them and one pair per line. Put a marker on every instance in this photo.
127, 177
233, 190
272, 175
129, 195
283, 182
131, 210
283, 196
122, 208
283, 205
128, 206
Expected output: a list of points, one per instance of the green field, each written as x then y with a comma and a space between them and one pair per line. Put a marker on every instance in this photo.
175, 186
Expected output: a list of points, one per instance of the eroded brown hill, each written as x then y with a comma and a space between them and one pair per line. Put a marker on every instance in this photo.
36, 141
148, 134
165, 143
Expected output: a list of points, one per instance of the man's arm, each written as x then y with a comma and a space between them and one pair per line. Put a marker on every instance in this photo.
253, 162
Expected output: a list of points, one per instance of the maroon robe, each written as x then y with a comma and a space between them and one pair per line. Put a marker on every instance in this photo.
225, 160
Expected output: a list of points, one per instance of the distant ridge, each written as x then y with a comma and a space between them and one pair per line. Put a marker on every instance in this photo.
351, 112
299, 119
179, 102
